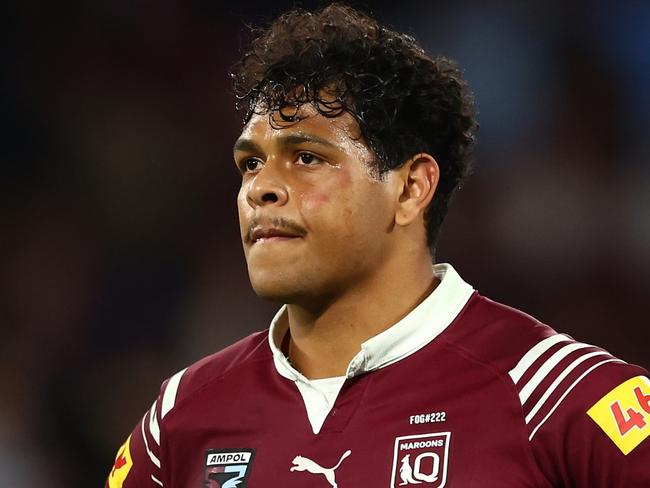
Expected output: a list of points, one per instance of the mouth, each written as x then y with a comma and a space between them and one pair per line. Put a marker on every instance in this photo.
261, 235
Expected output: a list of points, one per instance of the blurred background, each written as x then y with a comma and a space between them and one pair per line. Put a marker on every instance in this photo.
120, 259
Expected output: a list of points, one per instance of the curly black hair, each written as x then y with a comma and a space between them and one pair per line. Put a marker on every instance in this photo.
341, 60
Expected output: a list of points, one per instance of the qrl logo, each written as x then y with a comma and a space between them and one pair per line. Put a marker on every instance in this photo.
421, 459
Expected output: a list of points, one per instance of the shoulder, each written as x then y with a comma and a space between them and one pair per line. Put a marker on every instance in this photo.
545, 367
182, 385
497, 335
140, 461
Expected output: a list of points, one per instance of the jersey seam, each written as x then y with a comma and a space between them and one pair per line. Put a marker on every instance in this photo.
512, 392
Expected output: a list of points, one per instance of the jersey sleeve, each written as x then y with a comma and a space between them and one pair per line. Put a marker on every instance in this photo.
139, 463
587, 415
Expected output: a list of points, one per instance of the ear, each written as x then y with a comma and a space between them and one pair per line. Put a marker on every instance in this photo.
418, 178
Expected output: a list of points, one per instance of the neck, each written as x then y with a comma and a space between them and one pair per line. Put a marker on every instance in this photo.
324, 340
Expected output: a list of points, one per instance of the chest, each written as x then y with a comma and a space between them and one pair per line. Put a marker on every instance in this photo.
403, 427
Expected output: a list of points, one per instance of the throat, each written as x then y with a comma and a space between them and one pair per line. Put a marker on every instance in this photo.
323, 345
318, 358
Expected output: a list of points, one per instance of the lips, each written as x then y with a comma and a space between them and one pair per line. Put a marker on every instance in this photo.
263, 234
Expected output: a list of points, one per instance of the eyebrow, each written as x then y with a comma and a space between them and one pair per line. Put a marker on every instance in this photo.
248, 145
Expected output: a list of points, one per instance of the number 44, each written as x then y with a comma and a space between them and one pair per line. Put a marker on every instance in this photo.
634, 417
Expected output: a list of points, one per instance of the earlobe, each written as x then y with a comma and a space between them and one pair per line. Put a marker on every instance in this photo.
419, 179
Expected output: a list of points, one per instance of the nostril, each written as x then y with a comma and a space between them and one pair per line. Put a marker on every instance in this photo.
270, 197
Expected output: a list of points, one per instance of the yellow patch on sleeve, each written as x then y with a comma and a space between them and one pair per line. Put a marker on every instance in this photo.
122, 466
624, 413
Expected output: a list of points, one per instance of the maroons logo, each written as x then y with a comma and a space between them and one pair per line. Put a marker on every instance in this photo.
421, 460
227, 468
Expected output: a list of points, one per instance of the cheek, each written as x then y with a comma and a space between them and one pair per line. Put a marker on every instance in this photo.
243, 209
316, 200
333, 192
241, 198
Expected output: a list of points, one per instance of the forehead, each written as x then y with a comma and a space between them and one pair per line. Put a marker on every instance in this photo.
342, 130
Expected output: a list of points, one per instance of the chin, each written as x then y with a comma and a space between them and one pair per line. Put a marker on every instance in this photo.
275, 286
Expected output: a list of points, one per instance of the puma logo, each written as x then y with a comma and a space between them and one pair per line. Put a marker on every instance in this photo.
301, 463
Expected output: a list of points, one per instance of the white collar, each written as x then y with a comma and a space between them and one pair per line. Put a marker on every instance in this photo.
424, 323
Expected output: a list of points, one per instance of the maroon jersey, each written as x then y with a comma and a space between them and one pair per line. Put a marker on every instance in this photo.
463, 392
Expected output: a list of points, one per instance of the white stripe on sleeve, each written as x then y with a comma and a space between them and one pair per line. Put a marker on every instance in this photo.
546, 368
152, 456
169, 397
559, 380
568, 390
154, 428
531, 356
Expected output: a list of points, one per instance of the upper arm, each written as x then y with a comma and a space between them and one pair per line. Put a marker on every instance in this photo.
597, 435
139, 462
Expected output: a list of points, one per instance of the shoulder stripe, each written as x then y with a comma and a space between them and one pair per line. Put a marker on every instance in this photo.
568, 390
152, 456
535, 352
154, 428
558, 380
169, 397
546, 368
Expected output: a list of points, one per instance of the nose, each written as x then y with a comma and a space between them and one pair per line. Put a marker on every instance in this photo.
267, 188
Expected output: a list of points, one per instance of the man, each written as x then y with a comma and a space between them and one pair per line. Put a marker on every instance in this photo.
382, 370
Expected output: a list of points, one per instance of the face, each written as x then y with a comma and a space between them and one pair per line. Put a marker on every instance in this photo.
314, 221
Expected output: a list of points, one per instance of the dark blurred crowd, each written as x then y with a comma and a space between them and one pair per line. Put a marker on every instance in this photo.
120, 257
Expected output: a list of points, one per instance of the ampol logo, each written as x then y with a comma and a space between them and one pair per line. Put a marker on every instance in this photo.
227, 468
421, 460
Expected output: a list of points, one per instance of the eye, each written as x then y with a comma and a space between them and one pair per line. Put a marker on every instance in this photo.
308, 159
250, 164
